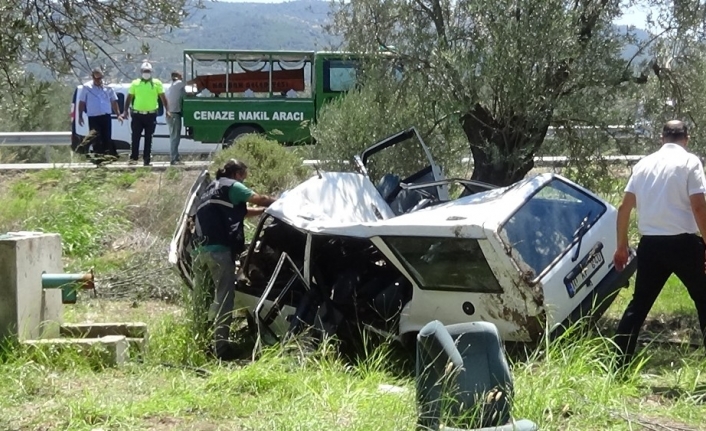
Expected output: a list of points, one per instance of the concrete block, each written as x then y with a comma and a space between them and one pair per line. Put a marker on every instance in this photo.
93, 330
113, 349
23, 305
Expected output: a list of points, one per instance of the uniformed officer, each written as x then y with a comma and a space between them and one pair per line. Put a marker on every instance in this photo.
142, 98
220, 237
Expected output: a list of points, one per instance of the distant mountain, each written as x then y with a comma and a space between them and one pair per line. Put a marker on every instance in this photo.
292, 25
640, 35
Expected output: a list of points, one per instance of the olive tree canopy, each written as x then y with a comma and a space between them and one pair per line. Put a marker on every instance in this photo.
510, 69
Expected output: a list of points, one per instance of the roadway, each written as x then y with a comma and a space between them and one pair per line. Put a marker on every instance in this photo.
156, 166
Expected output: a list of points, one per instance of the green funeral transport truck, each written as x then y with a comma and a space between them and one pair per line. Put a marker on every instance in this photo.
230, 93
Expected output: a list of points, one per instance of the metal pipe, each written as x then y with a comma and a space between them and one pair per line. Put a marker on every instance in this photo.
69, 284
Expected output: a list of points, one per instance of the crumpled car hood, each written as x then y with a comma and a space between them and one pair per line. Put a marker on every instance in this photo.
331, 200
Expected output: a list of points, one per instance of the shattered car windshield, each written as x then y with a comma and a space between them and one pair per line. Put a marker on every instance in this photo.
544, 227
445, 263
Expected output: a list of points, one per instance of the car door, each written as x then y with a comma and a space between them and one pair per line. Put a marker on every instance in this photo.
404, 159
180, 248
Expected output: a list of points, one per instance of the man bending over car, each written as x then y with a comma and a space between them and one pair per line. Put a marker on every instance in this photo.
220, 235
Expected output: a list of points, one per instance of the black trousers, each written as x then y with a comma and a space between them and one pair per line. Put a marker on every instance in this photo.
103, 126
142, 123
658, 257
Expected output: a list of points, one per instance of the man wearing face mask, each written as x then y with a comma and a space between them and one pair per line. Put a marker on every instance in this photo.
99, 101
142, 98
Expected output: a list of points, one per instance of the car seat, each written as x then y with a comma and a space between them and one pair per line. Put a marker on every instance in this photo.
388, 186
463, 379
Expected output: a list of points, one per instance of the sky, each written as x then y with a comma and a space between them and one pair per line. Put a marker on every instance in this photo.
636, 16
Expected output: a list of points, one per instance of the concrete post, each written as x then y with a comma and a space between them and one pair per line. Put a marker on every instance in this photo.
26, 310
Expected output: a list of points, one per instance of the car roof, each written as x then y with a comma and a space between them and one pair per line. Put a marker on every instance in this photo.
465, 217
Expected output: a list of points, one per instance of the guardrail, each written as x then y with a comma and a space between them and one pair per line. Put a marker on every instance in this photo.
48, 139
34, 139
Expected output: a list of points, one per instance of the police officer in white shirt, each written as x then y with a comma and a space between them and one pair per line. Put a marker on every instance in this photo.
667, 188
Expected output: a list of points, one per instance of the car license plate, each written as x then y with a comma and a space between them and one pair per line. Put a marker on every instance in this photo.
581, 274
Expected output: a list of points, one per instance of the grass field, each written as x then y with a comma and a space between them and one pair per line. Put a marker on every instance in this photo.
121, 223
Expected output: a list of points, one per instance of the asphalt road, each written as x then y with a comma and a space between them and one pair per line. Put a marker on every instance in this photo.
115, 165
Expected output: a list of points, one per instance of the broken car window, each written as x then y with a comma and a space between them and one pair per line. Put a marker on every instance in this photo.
445, 263
543, 228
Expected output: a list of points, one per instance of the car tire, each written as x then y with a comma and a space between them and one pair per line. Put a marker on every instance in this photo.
234, 133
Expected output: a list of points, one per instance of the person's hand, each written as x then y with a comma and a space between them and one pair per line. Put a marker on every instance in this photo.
620, 258
126, 114
169, 114
80, 120
120, 118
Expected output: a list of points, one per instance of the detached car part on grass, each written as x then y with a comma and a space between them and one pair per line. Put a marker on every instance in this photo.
374, 249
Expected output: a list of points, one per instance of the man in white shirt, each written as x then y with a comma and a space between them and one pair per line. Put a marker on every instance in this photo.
667, 188
175, 95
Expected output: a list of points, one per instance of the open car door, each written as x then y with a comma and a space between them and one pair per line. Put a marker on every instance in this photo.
181, 247
403, 160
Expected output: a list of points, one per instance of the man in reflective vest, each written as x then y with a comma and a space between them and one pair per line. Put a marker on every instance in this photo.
220, 237
142, 98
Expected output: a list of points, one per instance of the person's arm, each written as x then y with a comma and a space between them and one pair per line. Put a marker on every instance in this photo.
261, 200
239, 193
128, 102
164, 103
620, 258
698, 208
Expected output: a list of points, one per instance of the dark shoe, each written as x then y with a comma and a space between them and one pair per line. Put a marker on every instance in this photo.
132, 162
177, 163
147, 164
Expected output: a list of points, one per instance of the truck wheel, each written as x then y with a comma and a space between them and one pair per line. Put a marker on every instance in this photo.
234, 133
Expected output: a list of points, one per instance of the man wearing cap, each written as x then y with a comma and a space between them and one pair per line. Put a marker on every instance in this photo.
99, 101
175, 94
142, 98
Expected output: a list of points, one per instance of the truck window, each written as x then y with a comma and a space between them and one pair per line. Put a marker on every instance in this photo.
445, 263
544, 226
339, 75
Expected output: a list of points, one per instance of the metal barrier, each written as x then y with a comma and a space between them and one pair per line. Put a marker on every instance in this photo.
22, 139
48, 139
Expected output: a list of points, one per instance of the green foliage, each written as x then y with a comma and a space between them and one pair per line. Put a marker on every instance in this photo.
507, 70
378, 109
272, 168
76, 208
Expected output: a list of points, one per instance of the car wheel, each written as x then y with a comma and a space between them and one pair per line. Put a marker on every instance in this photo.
232, 134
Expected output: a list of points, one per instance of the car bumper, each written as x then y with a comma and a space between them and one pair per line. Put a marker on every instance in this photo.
600, 298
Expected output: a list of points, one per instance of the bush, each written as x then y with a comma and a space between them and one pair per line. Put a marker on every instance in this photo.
381, 107
272, 168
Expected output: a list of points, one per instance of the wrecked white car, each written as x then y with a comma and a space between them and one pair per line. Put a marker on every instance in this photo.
345, 251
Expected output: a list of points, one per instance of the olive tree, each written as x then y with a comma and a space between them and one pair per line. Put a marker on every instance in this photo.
510, 69
65, 36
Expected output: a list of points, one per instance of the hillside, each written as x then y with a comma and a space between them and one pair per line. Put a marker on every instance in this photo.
291, 25
294, 25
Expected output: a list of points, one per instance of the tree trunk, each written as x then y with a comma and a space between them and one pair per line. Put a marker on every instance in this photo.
503, 150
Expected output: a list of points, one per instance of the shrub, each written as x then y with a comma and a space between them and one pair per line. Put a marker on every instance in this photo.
381, 107
272, 168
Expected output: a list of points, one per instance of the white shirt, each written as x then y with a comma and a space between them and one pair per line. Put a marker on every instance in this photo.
662, 183
175, 93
